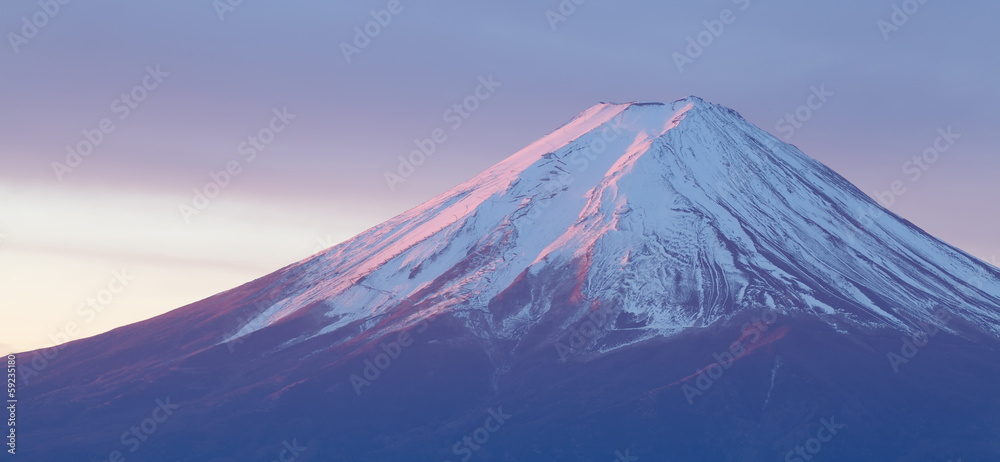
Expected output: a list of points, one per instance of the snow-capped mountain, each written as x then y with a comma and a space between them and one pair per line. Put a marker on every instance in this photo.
678, 214
577, 293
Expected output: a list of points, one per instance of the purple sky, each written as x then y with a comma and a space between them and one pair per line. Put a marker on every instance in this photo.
224, 72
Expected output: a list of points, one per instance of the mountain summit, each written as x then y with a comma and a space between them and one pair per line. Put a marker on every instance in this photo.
575, 295
679, 215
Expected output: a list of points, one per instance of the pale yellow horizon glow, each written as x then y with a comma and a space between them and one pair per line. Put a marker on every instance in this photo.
77, 264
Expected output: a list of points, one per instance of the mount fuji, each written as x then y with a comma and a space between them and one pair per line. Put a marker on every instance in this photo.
655, 281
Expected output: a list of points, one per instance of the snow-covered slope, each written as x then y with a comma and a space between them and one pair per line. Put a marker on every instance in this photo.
678, 214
